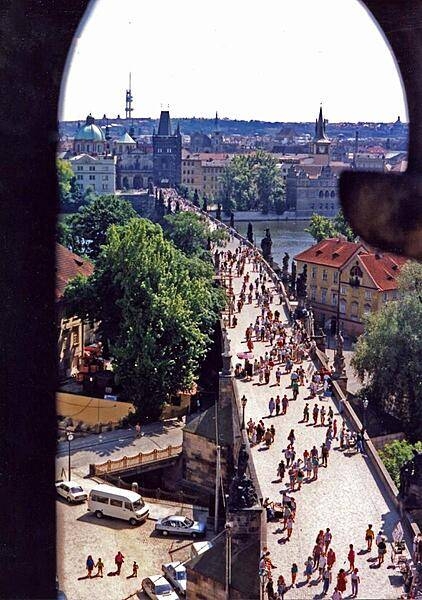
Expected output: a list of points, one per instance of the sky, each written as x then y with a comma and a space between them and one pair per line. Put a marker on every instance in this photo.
272, 60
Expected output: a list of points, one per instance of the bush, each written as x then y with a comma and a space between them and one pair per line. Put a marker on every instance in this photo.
395, 454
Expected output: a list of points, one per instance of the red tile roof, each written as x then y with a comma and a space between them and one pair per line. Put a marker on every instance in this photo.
383, 269
68, 266
329, 253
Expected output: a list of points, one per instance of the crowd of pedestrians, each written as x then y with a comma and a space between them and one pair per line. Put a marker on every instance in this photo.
119, 560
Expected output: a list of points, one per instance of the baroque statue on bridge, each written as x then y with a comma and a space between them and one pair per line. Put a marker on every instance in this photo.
266, 244
242, 492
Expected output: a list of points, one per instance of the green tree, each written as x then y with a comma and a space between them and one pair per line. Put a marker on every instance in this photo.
396, 454
389, 354
157, 309
322, 228
252, 182
188, 231
88, 227
64, 178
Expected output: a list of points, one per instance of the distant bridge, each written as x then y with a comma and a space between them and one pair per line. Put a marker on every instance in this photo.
142, 461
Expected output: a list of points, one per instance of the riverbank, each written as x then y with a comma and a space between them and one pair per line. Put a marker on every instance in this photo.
254, 215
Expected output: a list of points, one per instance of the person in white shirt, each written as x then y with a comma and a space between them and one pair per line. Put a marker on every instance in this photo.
378, 538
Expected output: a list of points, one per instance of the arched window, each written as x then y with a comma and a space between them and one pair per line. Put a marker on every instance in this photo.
333, 194
367, 309
321, 194
354, 309
343, 306
327, 194
356, 271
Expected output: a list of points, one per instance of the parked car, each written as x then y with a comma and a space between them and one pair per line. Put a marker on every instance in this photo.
175, 572
71, 491
158, 588
180, 525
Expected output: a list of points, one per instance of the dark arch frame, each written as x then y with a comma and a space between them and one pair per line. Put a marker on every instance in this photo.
36, 37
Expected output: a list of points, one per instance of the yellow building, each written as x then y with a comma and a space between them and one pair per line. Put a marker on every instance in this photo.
202, 171
347, 281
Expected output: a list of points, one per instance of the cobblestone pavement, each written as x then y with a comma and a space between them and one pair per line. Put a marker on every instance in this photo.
346, 497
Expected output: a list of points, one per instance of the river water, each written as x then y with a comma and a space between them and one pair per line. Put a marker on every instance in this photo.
287, 236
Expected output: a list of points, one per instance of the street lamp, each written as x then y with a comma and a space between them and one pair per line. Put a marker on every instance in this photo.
365, 406
70, 437
243, 401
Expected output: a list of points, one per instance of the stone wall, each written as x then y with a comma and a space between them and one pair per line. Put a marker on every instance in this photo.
200, 459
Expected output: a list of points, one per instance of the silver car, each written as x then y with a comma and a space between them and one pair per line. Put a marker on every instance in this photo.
175, 572
180, 525
158, 588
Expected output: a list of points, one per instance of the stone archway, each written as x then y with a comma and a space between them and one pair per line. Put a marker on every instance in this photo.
137, 182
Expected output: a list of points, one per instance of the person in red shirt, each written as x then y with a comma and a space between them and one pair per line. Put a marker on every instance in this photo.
341, 580
331, 558
351, 558
119, 560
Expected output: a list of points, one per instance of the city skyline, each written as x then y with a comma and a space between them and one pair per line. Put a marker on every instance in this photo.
244, 65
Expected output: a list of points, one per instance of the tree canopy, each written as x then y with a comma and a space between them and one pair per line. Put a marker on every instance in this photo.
70, 197
157, 308
253, 182
322, 228
86, 231
389, 353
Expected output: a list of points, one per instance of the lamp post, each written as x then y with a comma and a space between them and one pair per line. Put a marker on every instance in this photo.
365, 406
69, 437
243, 401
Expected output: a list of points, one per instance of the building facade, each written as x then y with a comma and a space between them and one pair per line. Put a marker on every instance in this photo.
167, 153
97, 173
347, 281
203, 172
74, 334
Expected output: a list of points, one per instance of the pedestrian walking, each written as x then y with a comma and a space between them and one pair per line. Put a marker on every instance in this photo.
330, 413
267, 374
355, 582
278, 375
337, 595
331, 558
322, 563
281, 587
89, 566
308, 468
327, 538
359, 442
268, 438
306, 413
135, 568
382, 549
270, 588
327, 578
324, 455
308, 569
341, 580
289, 528
335, 428
119, 560
284, 404
315, 413
291, 437
271, 406
277, 405
300, 477
369, 537
281, 469
295, 389
288, 455
315, 465
322, 414
272, 430
351, 557
316, 553
100, 567
294, 571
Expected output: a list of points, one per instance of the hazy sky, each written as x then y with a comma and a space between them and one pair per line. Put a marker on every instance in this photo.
272, 60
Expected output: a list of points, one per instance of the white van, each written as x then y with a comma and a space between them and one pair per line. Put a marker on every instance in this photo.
106, 500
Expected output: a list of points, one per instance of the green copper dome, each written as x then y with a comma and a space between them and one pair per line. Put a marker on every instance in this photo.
90, 132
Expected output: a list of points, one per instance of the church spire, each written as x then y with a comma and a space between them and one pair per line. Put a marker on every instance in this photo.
320, 127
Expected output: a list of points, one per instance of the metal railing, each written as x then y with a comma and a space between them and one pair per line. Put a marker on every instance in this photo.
142, 458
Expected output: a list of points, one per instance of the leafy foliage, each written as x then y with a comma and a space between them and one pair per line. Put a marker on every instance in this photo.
396, 454
86, 231
157, 309
252, 182
389, 354
322, 228
70, 197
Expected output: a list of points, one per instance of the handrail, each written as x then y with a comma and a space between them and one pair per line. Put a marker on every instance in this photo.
141, 458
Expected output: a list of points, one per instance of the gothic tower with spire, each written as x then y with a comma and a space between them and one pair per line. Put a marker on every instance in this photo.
167, 153
321, 144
